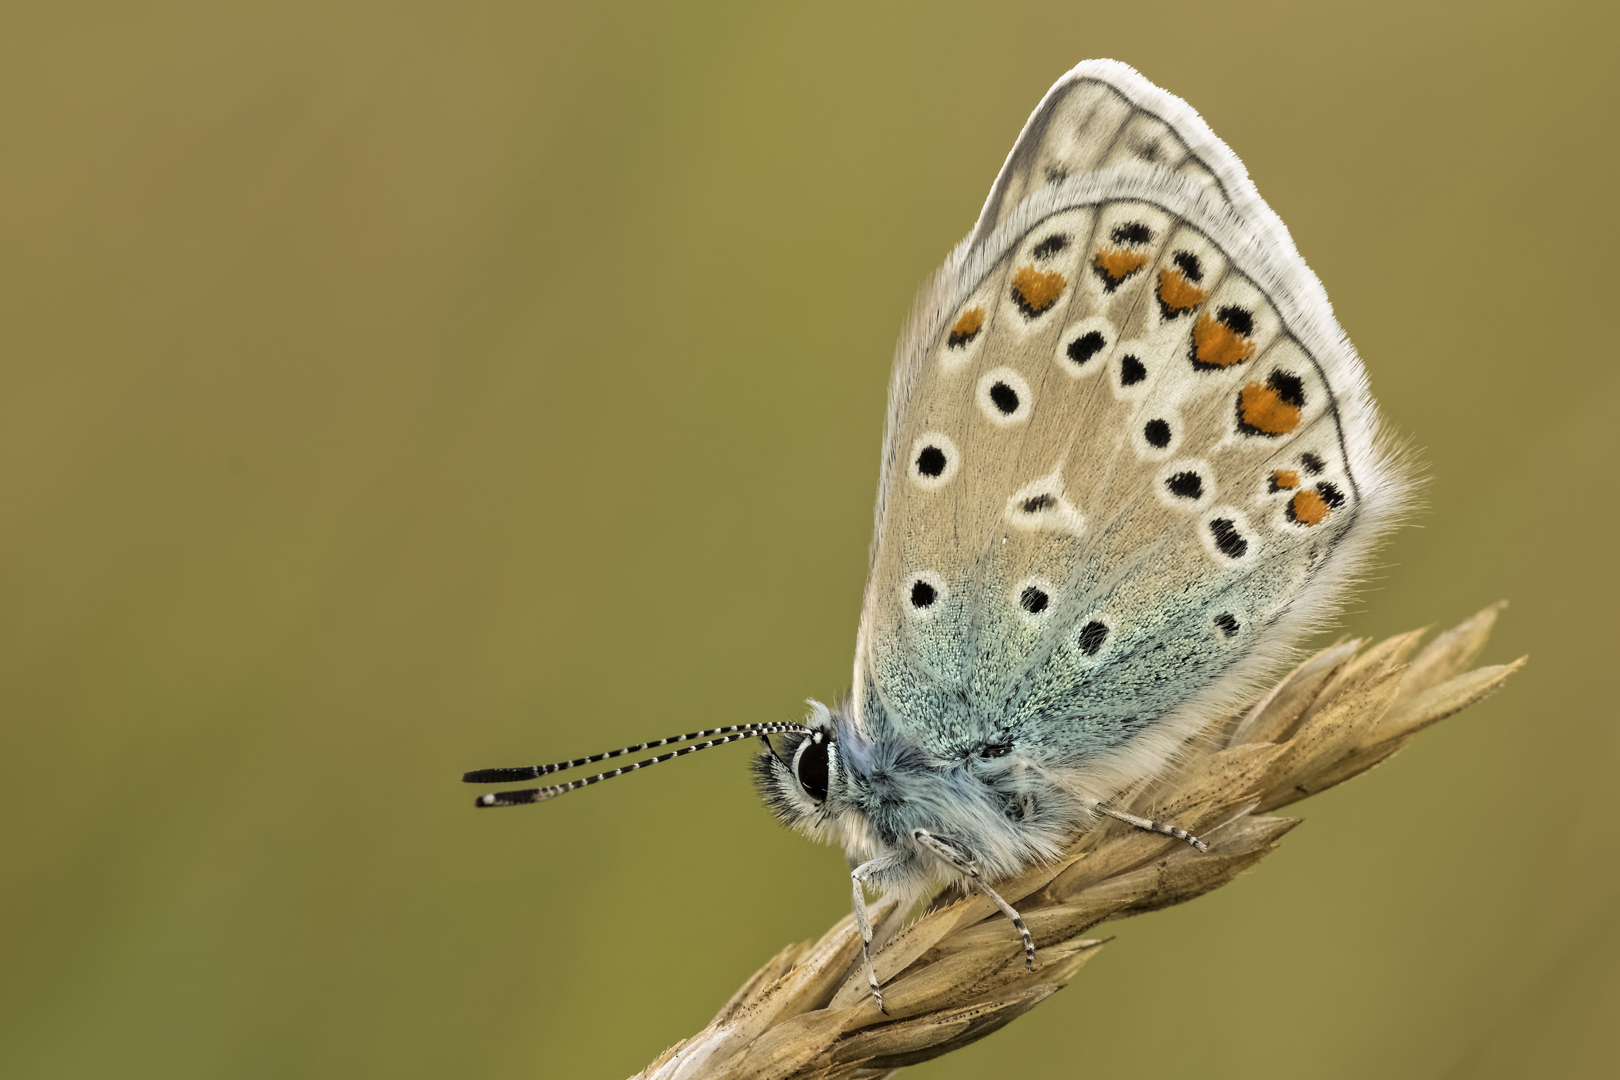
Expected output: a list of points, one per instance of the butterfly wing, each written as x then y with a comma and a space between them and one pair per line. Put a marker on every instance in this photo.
1103, 114
1130, 455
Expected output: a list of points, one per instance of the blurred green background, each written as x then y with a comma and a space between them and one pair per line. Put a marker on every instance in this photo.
390, 390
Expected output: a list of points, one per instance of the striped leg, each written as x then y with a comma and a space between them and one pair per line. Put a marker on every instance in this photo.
1153, 826
949, 853
858, 877
865, 925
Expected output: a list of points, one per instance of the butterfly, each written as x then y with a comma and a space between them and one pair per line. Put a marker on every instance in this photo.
1130, 458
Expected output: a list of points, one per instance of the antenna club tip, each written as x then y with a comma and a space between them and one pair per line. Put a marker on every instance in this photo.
497, 776
514, 798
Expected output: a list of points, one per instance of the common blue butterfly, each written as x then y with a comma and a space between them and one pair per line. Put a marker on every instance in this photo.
1130, 458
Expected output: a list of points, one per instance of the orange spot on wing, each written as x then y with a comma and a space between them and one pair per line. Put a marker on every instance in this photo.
1115, 265
1284, 478
1308, 508
1217, 345
1177, 294
1036, 290
967, 327
1262, 408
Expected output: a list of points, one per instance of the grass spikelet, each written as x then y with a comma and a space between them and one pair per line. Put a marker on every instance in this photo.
957, 973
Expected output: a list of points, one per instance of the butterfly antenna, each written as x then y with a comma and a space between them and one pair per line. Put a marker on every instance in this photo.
533, 795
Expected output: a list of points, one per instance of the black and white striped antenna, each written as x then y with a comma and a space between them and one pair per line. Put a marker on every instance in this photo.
541, 794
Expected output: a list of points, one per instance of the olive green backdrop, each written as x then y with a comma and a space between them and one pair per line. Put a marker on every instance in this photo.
388, 391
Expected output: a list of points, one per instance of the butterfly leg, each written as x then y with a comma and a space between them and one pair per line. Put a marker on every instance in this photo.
949, 853
858, 878
1153, 826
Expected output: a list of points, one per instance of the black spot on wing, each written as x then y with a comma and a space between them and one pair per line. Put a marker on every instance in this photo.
1228, 539
1185, 485
1086, 346
1050, 246
1005, 398
1236, 319
1132, 233
1092, 636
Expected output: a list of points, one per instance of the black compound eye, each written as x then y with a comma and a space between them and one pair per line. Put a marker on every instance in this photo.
811, 767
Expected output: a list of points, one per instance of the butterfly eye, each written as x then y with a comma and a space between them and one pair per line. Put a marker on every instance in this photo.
811, 766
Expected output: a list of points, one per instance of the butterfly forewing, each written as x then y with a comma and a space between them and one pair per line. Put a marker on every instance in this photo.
1103, 115
1117, 459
